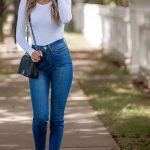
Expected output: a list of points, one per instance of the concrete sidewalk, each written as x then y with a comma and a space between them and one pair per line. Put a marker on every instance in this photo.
83, 130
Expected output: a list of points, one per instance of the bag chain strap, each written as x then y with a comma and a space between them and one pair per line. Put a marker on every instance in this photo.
31, 32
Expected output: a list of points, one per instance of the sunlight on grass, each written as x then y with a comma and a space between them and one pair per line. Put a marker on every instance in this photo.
72, 35
122, 107
132, 110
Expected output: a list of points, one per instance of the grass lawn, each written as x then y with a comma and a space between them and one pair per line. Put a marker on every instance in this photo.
123, 107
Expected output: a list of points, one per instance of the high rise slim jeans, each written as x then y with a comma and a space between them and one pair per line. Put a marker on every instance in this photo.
55, 75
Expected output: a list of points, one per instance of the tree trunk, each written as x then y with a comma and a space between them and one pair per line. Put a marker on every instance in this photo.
1, 20
16, 16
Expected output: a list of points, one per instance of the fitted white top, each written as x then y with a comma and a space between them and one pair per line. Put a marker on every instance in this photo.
45, 29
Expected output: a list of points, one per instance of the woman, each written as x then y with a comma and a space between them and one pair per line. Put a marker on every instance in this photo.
48, 19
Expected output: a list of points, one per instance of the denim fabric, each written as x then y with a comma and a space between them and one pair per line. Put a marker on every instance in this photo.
55, 75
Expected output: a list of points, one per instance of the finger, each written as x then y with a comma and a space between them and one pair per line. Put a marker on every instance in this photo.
36, 57
34, 60
41, 53
36, 54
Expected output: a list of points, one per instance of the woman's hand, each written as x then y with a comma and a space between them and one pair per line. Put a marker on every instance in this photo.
36, 55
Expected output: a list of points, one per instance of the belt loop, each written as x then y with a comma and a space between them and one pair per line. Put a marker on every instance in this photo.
36, 47
48, 46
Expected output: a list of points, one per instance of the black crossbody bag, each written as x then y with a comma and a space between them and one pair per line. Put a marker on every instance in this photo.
27, 67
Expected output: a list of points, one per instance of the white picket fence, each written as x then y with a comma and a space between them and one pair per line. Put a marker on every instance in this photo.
125, 31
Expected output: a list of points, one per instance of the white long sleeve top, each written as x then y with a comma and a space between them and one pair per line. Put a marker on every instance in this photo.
45, 29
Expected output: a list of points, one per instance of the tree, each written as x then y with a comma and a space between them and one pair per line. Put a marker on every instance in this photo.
16, 16
1, 20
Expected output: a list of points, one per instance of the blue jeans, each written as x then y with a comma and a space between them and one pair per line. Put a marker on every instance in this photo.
56, 75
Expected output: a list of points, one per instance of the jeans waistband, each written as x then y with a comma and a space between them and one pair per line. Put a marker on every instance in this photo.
51, 44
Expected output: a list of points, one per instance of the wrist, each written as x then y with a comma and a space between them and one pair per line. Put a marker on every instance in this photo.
31, 53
